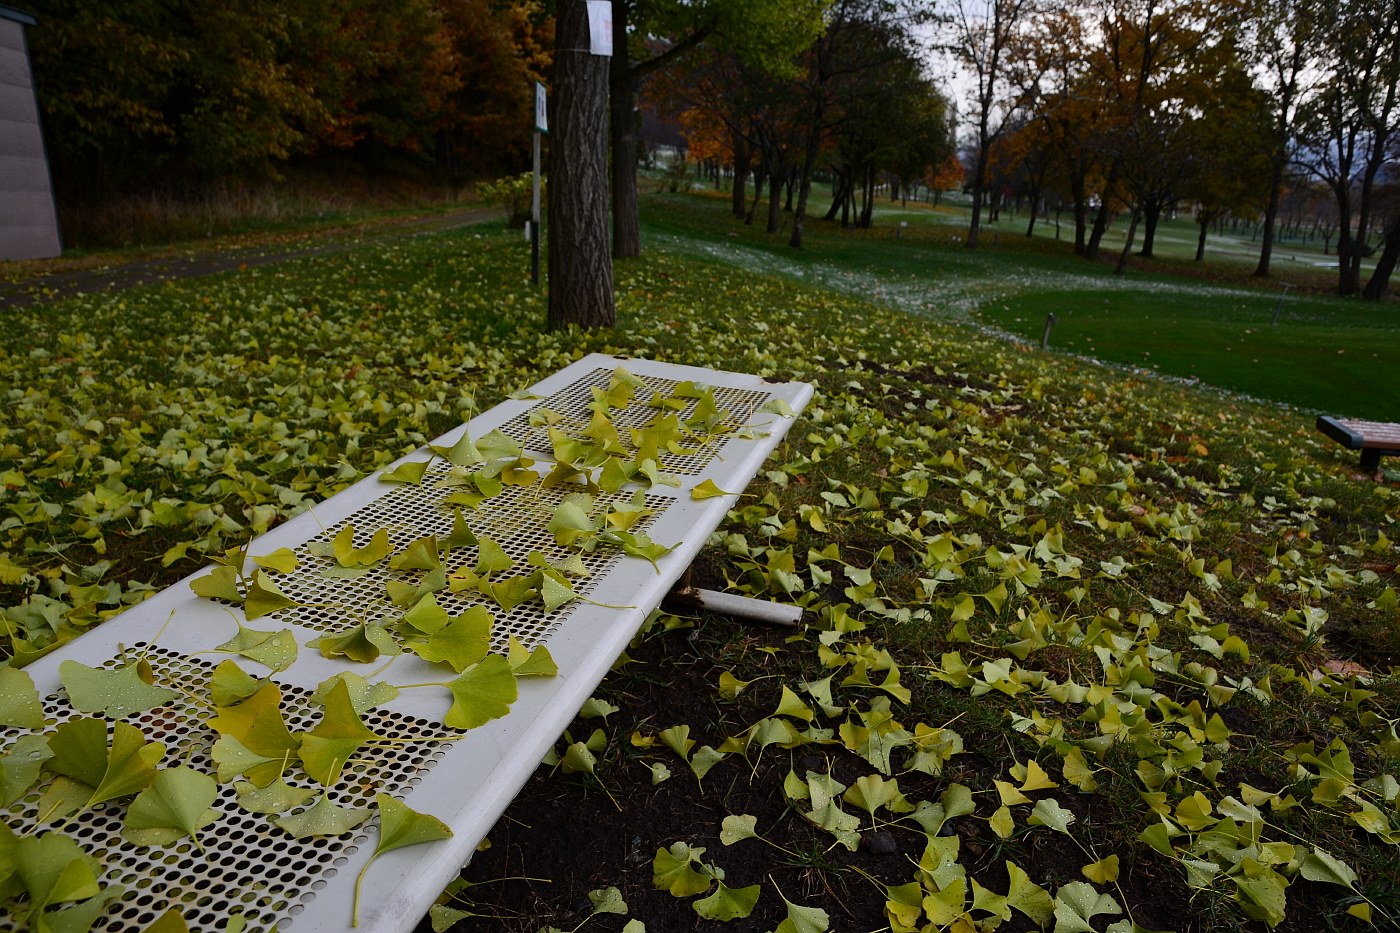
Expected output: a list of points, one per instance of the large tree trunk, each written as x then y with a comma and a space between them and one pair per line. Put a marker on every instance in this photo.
1204, 222
1379, 282
622, 129
580, 269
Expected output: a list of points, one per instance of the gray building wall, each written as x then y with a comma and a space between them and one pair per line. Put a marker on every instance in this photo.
28, 219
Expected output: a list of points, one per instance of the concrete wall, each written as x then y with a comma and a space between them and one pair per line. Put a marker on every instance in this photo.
28, 219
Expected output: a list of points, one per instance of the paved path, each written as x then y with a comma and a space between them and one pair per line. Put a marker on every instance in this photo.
52, 286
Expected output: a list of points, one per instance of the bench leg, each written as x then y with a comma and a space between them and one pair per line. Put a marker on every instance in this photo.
1371, 459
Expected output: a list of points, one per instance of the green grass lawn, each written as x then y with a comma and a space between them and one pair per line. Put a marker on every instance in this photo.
1326, 354
1087, 648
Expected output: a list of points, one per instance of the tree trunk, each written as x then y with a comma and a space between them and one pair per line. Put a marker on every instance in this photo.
867, 208
1091, 250
1345, 244
838, 192
976, 223
741, 175
775, 201
1379, 282
1078, 189
1201, 240
622, 127
1128, 244
1149, 232
809, 161
1266, 251
580, 269
758, 179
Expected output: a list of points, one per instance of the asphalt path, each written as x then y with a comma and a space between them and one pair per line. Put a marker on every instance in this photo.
115, 276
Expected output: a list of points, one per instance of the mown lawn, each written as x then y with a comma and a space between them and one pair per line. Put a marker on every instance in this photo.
1325, 353
1087, 649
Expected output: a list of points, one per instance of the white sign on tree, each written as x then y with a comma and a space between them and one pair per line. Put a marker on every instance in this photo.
600, 27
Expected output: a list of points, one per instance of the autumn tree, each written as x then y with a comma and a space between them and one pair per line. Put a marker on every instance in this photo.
500, 51
924, 133
981, 36
136, 89
946, 176
1026, 152
1283, 42
1230, 144
145, 93
710, 89
1050, 69
1348, 127
759, 111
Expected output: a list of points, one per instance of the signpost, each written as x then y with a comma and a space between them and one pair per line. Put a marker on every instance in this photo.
541, 126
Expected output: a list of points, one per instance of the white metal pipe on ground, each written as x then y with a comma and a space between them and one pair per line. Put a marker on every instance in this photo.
744, 607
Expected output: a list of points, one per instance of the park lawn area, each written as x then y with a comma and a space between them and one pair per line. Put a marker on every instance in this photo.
1327, 354
1087, 648
1324, 354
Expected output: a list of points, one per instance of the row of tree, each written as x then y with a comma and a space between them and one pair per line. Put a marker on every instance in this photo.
855, 104
776, 85
138, 92
1216, 105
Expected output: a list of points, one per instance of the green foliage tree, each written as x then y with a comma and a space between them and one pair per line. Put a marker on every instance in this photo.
649, 35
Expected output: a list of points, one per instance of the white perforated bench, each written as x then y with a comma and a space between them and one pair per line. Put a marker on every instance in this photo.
250, 867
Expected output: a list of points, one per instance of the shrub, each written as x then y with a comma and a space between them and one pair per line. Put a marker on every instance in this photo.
514, 194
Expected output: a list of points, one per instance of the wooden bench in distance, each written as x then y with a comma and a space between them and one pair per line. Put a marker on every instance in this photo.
246, 865
1374, 439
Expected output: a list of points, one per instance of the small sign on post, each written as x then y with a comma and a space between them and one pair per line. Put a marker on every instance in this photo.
541, 109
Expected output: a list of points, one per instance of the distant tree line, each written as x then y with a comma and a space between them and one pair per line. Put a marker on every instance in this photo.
852, 103
1224, 108
142, 93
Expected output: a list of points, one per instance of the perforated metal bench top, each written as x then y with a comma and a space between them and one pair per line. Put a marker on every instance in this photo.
248, 866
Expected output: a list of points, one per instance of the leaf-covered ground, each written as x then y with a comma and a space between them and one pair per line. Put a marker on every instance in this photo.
1085, 649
